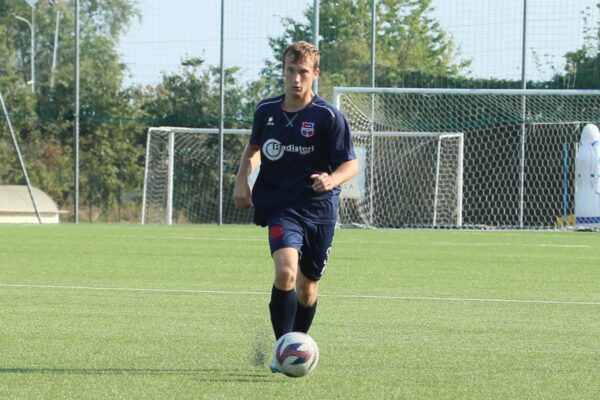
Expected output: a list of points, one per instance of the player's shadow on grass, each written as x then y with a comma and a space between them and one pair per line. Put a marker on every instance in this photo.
203, 374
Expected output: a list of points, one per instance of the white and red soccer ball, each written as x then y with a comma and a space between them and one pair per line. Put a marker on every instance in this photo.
297, 354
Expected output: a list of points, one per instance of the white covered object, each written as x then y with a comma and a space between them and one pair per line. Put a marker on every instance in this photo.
587, 175
16, 206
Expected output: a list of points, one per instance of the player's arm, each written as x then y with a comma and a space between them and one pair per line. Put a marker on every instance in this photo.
242, 196
344, 172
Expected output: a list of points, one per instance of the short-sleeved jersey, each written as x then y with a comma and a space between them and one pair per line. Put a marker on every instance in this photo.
295, 145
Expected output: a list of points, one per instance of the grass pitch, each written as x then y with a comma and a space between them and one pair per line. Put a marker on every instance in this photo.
132, 312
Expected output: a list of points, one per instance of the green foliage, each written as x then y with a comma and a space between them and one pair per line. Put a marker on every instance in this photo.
582, 71
17, 95
582, 65
109, 148
183, 99
109, 18
191, 98
408, 40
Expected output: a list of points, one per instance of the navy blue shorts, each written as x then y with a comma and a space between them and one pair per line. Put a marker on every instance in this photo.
313, 241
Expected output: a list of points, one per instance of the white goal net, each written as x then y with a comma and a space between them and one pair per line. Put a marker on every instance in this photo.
182, 177
406, 179
184, 181
474, 158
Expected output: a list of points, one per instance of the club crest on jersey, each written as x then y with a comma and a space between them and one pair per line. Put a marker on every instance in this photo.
308, 129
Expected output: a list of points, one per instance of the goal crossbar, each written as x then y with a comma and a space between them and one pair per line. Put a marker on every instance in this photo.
471, 92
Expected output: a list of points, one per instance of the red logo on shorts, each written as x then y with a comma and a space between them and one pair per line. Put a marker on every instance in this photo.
275, 232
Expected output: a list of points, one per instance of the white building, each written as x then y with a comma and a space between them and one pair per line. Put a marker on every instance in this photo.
16, 206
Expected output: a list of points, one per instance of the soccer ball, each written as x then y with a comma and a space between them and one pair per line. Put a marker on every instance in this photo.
297, 354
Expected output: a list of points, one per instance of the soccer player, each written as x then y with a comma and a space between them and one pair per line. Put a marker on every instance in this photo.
305, 151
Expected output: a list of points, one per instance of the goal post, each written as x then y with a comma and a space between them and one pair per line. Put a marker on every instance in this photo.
182, 176
384, 195
516, 152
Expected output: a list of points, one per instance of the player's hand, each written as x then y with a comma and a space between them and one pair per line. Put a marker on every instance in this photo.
322, 182
242, 195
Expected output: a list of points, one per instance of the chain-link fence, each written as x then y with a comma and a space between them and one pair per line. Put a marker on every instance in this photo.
155, 63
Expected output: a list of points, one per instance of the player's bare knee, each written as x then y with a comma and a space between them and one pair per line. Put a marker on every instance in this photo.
285, 277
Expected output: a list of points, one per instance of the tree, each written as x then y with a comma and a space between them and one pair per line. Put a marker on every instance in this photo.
17, 95
110, 154
183, 99
582, 70
582, 65
191, 98
408, 40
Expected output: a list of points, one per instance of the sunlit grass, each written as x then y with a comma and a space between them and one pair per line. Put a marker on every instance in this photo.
132, 312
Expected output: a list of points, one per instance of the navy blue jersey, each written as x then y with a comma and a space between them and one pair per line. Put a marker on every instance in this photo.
295, 145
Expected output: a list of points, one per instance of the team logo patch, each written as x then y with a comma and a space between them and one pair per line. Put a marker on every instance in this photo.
308, 129
275, 232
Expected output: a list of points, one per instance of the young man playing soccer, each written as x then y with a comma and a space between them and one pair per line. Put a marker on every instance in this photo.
304, 148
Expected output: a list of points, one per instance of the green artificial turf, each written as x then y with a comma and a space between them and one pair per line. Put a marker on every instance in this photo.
150, 312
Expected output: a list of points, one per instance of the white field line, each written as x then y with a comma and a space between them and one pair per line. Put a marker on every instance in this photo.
462, 244
395, 243
216, 239
379, 242
392, 243
559, 246
340, 296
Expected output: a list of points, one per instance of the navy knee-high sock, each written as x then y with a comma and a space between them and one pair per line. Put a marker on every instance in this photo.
283, 310
304, 317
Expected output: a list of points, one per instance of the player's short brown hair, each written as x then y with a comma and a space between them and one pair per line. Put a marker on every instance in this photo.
302, 51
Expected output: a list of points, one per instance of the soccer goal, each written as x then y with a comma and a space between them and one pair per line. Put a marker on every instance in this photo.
183, 179
408, 179
471, 158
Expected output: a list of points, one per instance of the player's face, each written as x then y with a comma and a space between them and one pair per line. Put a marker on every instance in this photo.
299, 77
